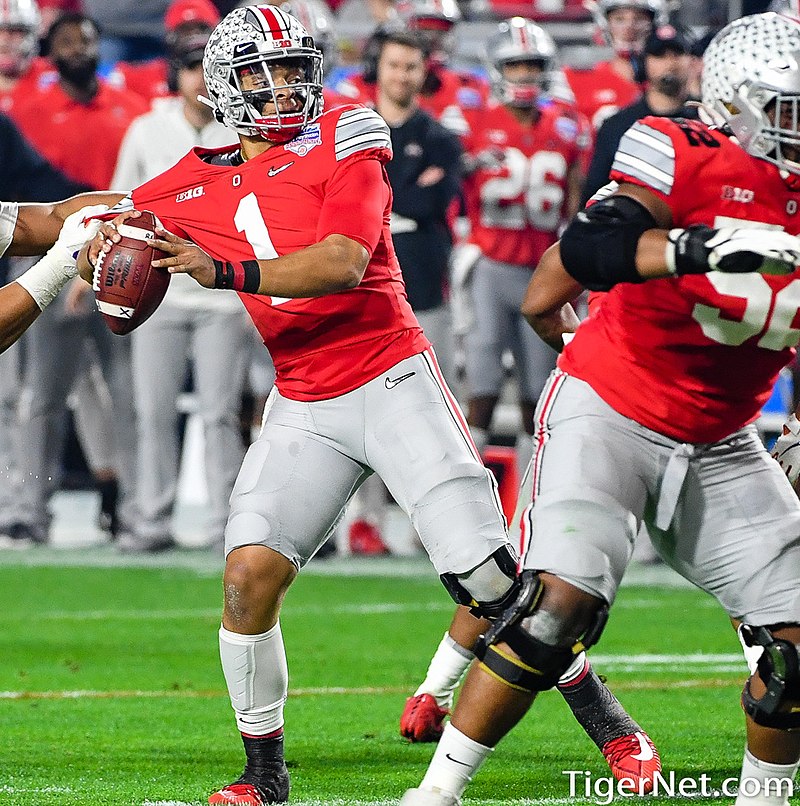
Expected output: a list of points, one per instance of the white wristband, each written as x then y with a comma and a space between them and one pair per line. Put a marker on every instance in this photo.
8, 222
47, 277
669, 254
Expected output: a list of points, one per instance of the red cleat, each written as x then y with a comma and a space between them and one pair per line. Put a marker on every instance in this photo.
241, 794
422, 719
633, 758
365, 538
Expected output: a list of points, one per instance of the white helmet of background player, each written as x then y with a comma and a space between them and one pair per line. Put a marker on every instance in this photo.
630, 41
433, 21
520, 40
19, 35
751, 84
247, 45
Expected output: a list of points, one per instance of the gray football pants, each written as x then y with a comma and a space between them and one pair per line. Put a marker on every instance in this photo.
405, 426
722, 514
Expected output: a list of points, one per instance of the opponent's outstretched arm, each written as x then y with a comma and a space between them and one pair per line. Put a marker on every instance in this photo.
31, 229
24, 299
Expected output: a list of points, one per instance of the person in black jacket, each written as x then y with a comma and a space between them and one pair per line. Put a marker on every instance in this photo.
666, 67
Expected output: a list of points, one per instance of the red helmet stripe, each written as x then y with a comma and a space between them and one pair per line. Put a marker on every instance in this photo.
273, 22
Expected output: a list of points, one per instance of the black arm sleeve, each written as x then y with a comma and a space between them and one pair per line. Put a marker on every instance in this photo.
598, 248
26, 174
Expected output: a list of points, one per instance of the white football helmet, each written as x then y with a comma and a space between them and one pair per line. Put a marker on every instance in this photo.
22, 16
250, 42
751, 84
520, 40
656, 9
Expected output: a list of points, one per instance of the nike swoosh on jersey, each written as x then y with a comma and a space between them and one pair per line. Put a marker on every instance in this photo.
645, 751
390, 383
273, 171
456, 761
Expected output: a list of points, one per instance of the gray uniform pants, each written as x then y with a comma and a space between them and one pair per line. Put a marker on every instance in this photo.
498, 290
723, 514
216, 343
405, 426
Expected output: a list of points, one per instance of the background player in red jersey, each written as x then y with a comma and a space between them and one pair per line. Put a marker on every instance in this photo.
606, 87
648, 419
296, 217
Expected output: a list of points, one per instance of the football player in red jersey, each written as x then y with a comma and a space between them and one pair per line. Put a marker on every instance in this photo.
296, 218
606, 87
648, 418
525, 178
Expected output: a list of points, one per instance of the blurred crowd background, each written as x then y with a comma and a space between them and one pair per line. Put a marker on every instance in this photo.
98, 94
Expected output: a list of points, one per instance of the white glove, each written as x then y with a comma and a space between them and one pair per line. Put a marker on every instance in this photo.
46, 278
699, 249
76, 230
786, 451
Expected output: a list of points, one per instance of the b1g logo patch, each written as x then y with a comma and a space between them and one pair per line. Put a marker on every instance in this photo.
307, 139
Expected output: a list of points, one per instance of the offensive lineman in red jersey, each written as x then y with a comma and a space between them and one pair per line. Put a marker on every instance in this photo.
525, 179
648, 418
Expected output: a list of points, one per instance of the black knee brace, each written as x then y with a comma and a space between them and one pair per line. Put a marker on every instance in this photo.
779, 670
538, 665
507, 564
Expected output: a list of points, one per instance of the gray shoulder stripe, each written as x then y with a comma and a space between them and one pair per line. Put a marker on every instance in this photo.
638, 169
643, 128
362, 144
660, 162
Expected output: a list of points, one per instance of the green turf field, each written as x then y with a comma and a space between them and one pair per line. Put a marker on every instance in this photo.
111, 692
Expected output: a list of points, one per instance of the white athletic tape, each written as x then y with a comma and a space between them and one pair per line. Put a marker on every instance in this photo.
118, 311
137, 233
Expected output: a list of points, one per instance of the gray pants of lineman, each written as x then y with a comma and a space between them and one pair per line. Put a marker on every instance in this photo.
723, 514
217, 343
405, 426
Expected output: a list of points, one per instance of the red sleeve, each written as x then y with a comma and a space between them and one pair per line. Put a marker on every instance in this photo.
356, 199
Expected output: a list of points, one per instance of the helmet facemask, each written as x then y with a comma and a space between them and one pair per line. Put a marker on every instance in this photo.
522, 91
530, 53
751, 86
278, 94
263, 73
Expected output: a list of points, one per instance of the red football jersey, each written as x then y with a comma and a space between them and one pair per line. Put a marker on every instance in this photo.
286, 199
694, 357
515, 196
82, 140
601, 91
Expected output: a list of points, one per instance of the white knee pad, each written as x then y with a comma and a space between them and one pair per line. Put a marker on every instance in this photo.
257, 678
